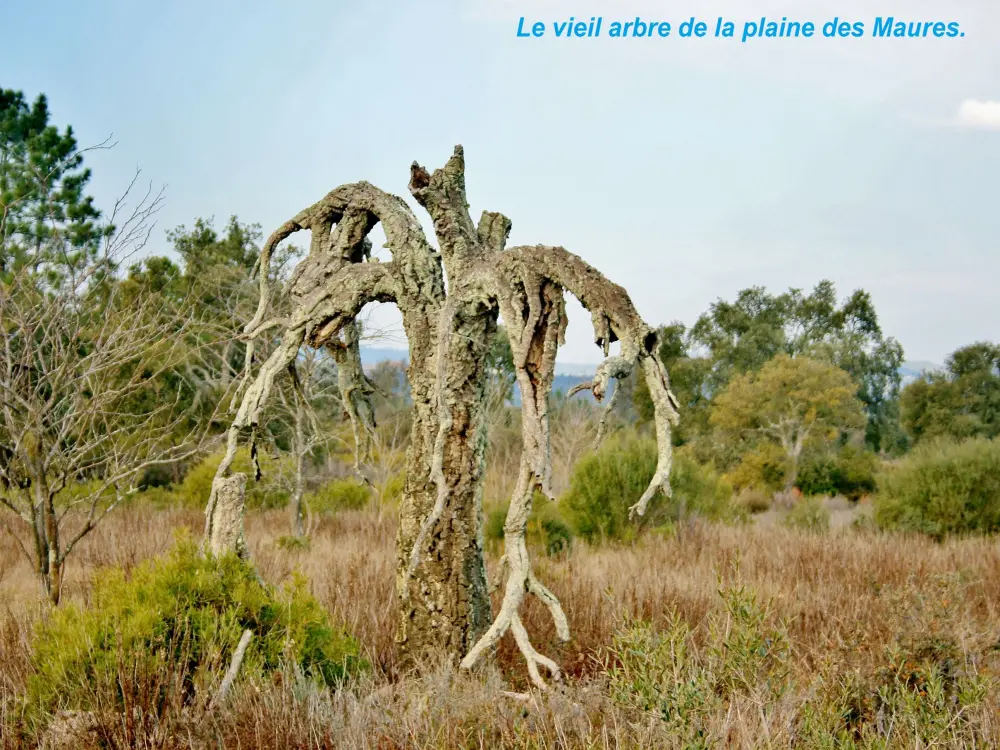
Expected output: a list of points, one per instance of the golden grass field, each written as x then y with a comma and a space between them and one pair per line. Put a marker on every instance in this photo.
862, 612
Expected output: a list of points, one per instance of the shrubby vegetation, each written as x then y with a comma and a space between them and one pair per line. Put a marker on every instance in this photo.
808, 515
548, 528
849, 471
606, 483
943, 488
193, 491
182, 616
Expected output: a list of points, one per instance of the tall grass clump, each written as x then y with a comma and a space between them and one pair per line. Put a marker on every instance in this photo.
943, 488
177, 620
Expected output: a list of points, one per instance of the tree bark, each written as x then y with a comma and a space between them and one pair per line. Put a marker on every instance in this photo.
225, 532
444, 601
298, 490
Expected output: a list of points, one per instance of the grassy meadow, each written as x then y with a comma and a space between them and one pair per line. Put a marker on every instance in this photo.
754, 635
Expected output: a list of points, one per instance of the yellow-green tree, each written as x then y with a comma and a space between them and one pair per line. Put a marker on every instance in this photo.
789, 401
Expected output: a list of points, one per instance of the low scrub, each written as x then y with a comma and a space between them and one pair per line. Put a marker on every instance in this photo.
194, 489
808, 514
849, 472
339, 494
606, 483
943, 488
666, 674
922, 691
761, 468
176, 621
547, 528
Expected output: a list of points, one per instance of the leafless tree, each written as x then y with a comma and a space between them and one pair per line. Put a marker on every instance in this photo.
312, 386
83, 410
441, 577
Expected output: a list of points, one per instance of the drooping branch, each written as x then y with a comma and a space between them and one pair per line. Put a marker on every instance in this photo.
529, 283
318, 317
534, 314
340, 224
615, 319
356, 390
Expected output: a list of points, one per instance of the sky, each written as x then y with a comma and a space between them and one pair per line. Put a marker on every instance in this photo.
684, 169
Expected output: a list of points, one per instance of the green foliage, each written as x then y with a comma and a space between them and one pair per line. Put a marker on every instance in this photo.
340, 494
962, 402
557, 535
790, 401
742, 336
665, 673
943, 488
849, 472
47, 224
752, 500
500, 375
810, 515
605, 484
546, 528
763, 467
186, 612
194, 489
292, 543
202, 248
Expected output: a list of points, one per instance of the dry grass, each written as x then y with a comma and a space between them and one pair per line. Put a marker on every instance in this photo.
844, 600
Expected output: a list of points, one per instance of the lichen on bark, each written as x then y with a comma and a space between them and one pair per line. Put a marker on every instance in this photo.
442, 597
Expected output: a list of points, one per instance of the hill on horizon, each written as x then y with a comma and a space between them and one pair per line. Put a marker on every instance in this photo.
371, 356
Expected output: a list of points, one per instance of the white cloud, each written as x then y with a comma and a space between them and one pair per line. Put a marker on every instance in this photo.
974, 113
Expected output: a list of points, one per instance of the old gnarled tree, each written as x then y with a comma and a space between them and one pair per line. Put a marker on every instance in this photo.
441, 575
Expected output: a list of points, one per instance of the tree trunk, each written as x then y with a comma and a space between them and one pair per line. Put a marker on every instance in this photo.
793, 471
47, 539
444, 600
298, 490
444, 605
225, 522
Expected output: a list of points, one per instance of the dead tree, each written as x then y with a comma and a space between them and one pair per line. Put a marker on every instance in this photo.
441, 579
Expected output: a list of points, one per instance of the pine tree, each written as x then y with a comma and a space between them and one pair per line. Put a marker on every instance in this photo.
48, 225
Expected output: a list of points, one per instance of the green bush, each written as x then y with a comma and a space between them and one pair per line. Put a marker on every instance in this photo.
668, 674
605, 484
182, 615
752, 500
942, 488
808, 514
292, 543
849, 472
340, 494
763, 468
546, 526
194, 489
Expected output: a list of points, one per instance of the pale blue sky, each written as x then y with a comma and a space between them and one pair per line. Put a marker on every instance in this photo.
684, 169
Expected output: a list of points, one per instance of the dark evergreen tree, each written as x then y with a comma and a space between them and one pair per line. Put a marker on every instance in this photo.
48, 225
